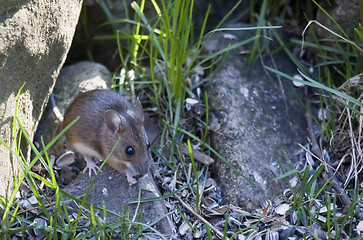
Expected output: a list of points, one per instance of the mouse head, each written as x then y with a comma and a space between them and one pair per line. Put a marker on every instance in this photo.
132, 151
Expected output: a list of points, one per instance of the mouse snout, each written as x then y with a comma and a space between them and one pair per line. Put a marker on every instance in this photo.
140, 168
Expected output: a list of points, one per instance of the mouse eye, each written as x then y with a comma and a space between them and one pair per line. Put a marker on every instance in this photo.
147, 145
130, 151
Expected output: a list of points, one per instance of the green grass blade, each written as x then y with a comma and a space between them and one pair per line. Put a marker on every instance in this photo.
315, 84
261, 22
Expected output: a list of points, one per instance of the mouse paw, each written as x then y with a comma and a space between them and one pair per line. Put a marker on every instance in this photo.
130, 177
91, 166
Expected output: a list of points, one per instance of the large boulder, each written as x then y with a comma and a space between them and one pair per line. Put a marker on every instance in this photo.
252, 117
34, 41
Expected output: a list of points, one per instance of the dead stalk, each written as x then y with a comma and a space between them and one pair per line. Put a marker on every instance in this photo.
327, 29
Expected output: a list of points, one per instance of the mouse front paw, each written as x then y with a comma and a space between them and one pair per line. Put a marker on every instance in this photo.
91, 166
130, 177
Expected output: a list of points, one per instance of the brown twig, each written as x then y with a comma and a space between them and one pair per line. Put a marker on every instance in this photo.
34, 208
197, 155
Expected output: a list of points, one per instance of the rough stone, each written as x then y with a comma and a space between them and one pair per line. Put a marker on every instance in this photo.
345, 13
112, 189
81, 77
35, 37
249, 108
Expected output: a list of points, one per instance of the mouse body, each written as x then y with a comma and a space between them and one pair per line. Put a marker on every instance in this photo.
105, 118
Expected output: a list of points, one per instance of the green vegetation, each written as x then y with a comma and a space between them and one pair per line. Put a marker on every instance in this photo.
159, 56
337, 84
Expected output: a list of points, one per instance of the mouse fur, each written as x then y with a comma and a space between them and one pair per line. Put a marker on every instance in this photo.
104, 117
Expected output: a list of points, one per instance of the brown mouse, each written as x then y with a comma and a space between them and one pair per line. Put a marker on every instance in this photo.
104, 117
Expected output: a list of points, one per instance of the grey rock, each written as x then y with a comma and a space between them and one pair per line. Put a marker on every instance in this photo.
253, 121
345, 13
34, 41
80, 77
113, 189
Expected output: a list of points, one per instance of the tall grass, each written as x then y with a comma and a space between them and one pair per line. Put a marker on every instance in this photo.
336, 81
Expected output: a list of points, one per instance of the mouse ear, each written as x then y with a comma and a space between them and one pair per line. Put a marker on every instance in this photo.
113, 120
139, 110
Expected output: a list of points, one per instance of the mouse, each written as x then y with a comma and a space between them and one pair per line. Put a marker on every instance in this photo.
108, 120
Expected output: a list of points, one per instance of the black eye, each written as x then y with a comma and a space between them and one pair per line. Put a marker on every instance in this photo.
147, 145
130, 151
